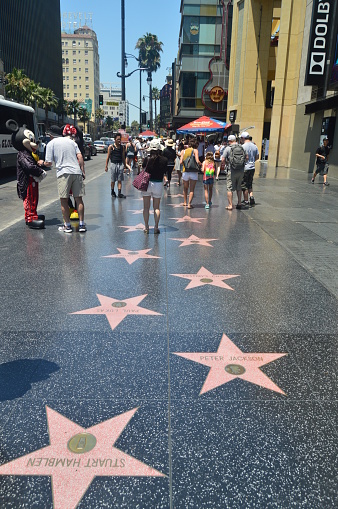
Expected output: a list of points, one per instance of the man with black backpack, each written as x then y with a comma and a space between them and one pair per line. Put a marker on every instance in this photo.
236, 156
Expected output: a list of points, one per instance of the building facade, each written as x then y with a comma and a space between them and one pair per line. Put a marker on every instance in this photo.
202, 64
27, 29
113, 105
81, 68
283, 82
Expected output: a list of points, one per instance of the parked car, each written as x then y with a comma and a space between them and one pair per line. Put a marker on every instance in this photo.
93, 150
87, 151
101, 146
109, 142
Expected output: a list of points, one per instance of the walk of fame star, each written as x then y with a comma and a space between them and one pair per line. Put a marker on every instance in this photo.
117, 310
205, 277
193, 240
175, 205
229, 362
135, 228
131, 256
176, 195
76, 455
187, 219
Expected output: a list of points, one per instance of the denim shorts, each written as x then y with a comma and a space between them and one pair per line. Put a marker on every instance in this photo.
117, 170
209, 181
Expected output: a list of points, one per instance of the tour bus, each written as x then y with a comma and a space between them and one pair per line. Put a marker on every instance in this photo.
23, 115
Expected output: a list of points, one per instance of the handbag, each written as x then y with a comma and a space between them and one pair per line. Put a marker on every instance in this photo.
190, 163
141, 181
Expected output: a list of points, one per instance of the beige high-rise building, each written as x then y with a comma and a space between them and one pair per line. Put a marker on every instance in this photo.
81, 68
283, 83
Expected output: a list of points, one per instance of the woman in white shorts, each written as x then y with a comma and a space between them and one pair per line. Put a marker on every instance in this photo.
189, 177
156, 165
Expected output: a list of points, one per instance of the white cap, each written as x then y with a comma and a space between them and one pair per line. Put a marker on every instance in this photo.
231, 137
245, 135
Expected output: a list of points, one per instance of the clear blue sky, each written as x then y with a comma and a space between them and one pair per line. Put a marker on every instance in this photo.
159, 18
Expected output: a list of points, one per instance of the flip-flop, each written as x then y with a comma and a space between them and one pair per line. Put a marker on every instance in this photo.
190, 206
146, 230
156, 231
228, 208
184, 204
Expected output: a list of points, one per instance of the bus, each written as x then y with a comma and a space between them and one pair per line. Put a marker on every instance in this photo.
22, 114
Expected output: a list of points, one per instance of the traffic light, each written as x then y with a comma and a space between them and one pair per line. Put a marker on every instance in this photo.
143, 118
101, 100
148, 124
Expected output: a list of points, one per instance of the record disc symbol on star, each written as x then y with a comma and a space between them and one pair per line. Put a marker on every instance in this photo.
205, 277
76, 455
117, 310
229, 363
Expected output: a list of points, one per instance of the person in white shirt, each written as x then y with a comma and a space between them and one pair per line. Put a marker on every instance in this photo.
249, 169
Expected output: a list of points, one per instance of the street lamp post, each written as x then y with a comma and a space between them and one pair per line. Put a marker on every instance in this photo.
149, 81
124, 76
126, 56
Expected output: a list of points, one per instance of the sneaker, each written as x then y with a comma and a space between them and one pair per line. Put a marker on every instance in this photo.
252, 201
113, 193
120, 195
65, 229
326, 184
210, 203
238, 206
207, 206
312, 180
244, 202
82, 228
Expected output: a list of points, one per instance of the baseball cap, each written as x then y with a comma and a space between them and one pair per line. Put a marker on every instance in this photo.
231, 137
245, 135
54, 130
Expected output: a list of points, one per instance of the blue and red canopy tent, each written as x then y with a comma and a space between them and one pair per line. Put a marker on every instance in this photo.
203, 125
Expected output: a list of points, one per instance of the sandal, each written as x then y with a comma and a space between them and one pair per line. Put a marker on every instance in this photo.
228, 208
146, 230
190, 206
184, 204
156, 231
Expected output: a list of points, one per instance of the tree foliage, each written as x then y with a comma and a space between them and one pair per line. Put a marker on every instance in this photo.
149, 51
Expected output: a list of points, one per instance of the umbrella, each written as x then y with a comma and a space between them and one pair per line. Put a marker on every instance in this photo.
148, 134
203, 125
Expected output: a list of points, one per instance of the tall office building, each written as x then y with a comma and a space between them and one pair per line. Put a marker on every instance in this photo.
30, 40
283, 78
203, 60
81, 68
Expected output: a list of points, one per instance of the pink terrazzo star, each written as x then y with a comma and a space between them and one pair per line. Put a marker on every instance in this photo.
117, 310
132, 256
76, 455
140, 211
229, 362
187, 219
175, 205
205, 277
193, 241
135, 228
176, 195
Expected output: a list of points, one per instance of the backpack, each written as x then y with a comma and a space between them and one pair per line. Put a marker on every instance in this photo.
237, 157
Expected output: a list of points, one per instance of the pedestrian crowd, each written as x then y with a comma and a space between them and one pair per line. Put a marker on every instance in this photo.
159, 158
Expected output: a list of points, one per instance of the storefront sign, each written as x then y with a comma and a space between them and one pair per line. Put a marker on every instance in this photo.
112, 103
217, 94
319, 42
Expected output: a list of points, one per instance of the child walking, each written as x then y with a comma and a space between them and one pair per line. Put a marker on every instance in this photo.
208, 169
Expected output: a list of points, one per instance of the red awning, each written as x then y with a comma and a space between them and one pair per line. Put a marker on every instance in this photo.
148, 134
202, 125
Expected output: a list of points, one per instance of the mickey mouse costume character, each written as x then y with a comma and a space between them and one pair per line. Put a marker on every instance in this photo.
29, 172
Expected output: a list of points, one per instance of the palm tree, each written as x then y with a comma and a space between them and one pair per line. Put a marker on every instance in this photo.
156, 97
84, 117
73, 108
61, 109
149, 56
47, 100
99, 115
18, 85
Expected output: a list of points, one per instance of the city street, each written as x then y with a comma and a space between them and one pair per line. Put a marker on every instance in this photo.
192, 369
